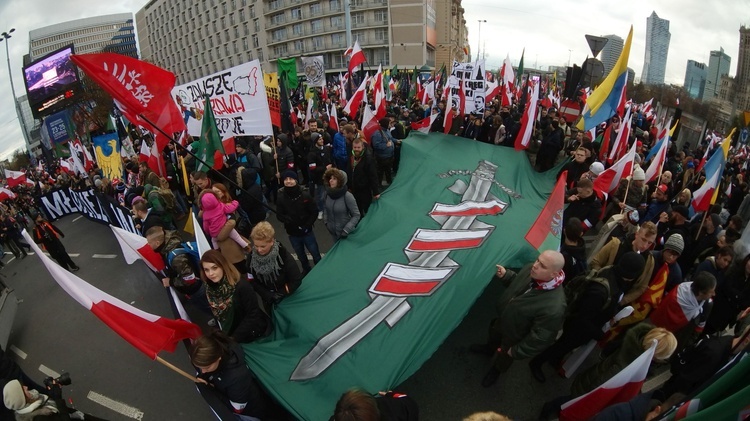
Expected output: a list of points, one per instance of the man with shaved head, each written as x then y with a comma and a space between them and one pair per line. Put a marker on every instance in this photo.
530, 312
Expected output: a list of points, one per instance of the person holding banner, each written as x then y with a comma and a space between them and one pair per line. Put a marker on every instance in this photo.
48, 235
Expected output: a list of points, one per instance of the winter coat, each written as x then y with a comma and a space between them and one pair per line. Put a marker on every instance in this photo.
529, 319
611, 252
342, 213
227, 246
288, 280
595, 305
363, 177
380, 139
269, 164
575, 258
296, 209
588, 210
317, 162
182, 275
340, 152
249, 322
285, 157
631, 348
215, 213
250, 197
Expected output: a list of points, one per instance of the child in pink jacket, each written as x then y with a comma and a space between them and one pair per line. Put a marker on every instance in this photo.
216, 215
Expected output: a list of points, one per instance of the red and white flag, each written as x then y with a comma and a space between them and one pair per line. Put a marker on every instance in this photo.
424, 124
506, 73
703, 196
81, 157
135, 247
491, 91
15, 178
624, 386
646, 107
149, 333
654, 169
378, 93
352, 106
67, 166
343, 79
138, 87
333, 117
356, 56
610, 178
527, 121
369, 122
6, 194
144, 153
621, 141
428, 92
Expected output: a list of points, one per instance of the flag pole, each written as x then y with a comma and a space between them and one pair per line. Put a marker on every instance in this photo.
701, 225
624, 198
230, 181
176, 369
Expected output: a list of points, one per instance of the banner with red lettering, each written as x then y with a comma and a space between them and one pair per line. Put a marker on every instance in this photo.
238, 100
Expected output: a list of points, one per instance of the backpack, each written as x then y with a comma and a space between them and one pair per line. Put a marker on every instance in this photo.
578, 284
191, 250
170, 202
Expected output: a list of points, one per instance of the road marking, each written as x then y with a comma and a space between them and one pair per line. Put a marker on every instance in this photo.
78, 218
74, 254
104, 256
18, 352
116, 406
48, 371
11, 259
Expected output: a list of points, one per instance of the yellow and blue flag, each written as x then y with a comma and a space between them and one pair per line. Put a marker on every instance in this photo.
107, 150
602, 103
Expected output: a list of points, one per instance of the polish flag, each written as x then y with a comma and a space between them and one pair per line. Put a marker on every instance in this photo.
624, 386
67, 166
404, 280
714, 141
546, 232
369, 123
491, 91
654, 169
703, 196
621, 141
379, 94
356, 56
448, 113
424, 124
428, 92
610, 178
527, 121
506, 73
6, 194
352, 106
135, 247
333, 117
15, 178
149, 333
343, 79
145, 153
441, 240
646, 107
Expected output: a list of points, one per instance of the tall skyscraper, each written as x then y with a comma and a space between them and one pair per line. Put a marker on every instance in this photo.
718, 65
695, 78
611, 52
109, 33
742, 78
657, 48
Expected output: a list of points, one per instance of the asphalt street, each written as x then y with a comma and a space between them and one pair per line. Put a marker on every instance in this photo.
52, 333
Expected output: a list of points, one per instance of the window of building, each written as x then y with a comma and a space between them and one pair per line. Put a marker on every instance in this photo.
210, 41
231, 19
297, 29
315, 9
256, 43
278, 34
356, 3
260, 55
275, 4
317, 42
277, 19
236, 31
381, 16
337, 22
214, 25
358, 18
299, 45
252, 11
334, 5
224, 8
256, 24
280, 50
381, 34
316, 25
296, 13
226, 49
337, 40
223, 22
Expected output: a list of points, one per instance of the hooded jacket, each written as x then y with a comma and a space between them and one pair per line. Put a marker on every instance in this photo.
296, 209
215, 213
342, 213
250, 196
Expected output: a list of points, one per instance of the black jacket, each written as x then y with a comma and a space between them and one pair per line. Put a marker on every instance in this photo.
595, 305
288, 280
252, 201
249, 322
588, 210
317, 161
296, 209
363, 178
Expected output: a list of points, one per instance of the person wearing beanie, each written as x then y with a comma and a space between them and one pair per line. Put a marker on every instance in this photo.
245, 158
596, 302
297, 210
283, 156
319, 160
676, 224
636, 194
595, 169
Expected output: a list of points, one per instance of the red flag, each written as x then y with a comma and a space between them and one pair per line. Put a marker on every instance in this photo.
624, 386
6, 194
15, 178
702, 197
654, 169
357, 56
378, 93
352, 106
138, 87
527, 121
610, 178
546, 232
369, 123
149, 333
461, 100
67, 166
604, 148
145, 153
333, 117
492, 90
134, 247
424, 124
621, 141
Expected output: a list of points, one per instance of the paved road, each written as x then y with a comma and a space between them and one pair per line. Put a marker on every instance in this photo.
113, 380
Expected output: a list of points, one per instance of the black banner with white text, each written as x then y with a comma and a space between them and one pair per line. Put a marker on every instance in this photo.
92, 204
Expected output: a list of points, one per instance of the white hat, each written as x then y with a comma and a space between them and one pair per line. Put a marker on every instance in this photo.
639, 175
13, 396
596, 168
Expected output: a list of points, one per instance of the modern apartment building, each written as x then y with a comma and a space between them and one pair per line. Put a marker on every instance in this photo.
657, 48
695, 78
718, 65
111, 33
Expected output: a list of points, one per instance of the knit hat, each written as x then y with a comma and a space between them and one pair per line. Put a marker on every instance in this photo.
639, 175
13, 396
289, 174
716, 220
314, 136
681, 210
675, 243
596, 168
630, 266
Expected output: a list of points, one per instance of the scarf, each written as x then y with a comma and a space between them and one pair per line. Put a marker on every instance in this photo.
337, 192
220, 298
355, 159
266, 268
551, 284
40, 400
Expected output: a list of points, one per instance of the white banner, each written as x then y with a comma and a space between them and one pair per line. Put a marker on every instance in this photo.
472, 75
315, 71
238, 100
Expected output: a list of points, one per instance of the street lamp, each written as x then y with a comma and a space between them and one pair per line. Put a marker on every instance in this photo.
5, 36
479, 35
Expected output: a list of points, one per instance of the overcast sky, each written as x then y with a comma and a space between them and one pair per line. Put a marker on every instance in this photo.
547, 29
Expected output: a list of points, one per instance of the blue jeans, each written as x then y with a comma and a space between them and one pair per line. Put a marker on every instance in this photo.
299, 243
319, 193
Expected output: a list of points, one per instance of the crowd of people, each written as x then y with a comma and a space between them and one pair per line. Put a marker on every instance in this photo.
646, 247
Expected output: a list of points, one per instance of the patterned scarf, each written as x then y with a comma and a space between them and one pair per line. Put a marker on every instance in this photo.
266, 268
551, 284
220, 298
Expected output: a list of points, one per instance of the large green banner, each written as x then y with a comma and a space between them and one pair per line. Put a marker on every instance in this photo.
384, 299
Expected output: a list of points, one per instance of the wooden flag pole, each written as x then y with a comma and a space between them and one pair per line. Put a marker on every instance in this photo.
624, 198
176, 369
701, 226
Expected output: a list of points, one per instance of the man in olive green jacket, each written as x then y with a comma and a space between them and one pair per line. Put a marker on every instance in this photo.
530, 312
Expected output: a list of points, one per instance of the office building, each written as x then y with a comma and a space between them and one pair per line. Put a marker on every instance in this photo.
657, 48
108, 33
452, 35
611, 52
695, 78
718, 66
742, 77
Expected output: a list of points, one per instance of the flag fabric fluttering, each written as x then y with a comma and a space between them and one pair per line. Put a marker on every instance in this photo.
14, 178
424, 124
624, 386
147, 332
655, 168
287, 70
356, 56
707, 194
610, 178
358, 96
527, 121
508, 78
210, 140
6, 194
604, 101
378, 93
138, 88
621, 141
135, 247
546, 232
